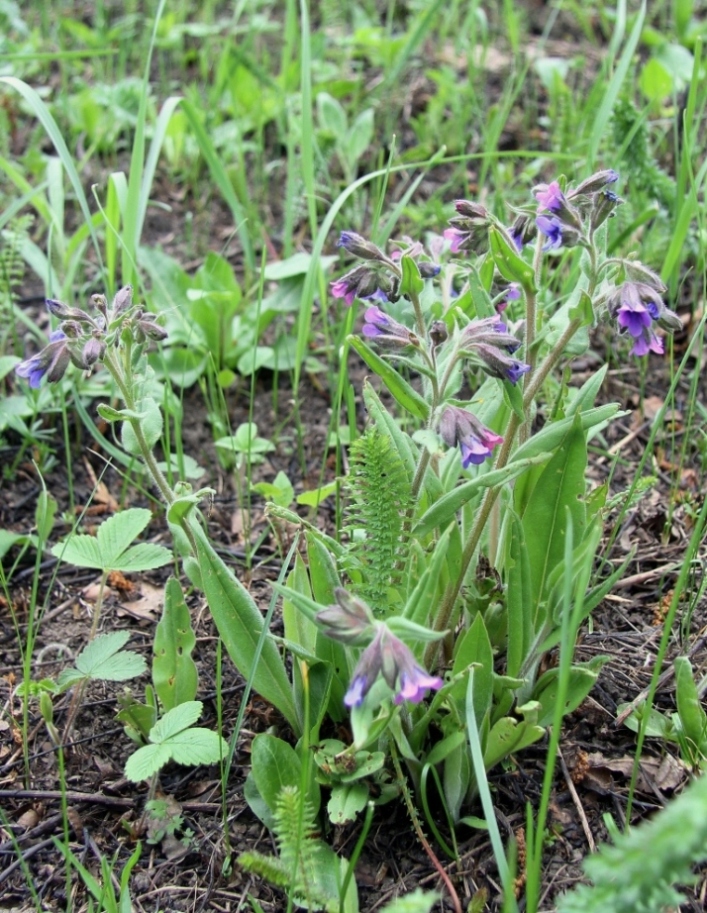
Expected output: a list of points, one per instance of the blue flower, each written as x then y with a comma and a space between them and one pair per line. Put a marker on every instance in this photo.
551, 227
475, 440
52, 361
388, 656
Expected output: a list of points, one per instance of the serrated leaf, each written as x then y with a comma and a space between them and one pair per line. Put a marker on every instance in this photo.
104, 659
119, 531
175, 721
142, 557
79, 550
69, 677
197, 746
146, 761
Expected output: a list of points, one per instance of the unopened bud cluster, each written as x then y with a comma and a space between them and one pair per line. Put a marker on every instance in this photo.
83, 336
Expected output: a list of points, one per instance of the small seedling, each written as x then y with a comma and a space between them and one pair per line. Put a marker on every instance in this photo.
175, 738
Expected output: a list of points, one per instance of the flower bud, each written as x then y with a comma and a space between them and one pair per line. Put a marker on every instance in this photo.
605, 205
438, 332
122, 301
93, 351
594, 183
360, 247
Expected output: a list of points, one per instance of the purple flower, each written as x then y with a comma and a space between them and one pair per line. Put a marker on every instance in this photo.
634, 318
522, 231
457, 238
52, 361
388, 656
415, 683
343, 289
636, 306
358, 689
513, 293
549, 196
499, 364
516, 370
360, 282
646, 343
428, 270
475, 440
551, 227
385, 330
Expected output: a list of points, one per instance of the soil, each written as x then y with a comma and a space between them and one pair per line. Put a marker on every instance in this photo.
196, 870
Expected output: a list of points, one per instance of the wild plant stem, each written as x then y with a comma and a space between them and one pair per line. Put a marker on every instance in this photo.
145, 449
412, 811
449, 599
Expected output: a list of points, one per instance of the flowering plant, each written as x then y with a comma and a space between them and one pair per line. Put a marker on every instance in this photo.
471, 532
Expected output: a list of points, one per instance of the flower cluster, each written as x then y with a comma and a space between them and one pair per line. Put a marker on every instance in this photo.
82, 336
489, 342
637, 306
574, 215
476, 442
350, 621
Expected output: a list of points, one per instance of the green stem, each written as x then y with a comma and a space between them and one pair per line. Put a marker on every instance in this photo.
145, 449
449, 599
412, 811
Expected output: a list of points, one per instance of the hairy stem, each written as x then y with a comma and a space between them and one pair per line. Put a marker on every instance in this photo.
444, 613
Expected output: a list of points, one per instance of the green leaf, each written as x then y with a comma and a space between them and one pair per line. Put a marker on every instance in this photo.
197, 746
142, 557
173, 739
8, 540
518, 597
690, 712
581, 681
559, 490
509, 262
401, 391
508, 735
444, 510
107, 551
151, 424
174, 672
417, 901
109, 414
44, 514
275, 764
175, 720
315, 497
411, 282
240, 624
347, 800
475, 648
104, 659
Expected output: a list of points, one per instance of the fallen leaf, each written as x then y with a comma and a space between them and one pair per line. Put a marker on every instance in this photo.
662, 773
147, 606
28, 819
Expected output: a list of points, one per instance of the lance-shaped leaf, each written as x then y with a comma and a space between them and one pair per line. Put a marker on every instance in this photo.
240, 625
399, 388
174, 672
